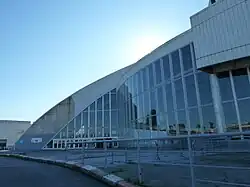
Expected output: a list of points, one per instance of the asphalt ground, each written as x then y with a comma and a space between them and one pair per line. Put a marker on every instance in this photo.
19, 173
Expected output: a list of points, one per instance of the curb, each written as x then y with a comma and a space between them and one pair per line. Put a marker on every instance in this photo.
94, 172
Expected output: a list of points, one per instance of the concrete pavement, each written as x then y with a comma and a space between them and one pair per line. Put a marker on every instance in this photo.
19, 173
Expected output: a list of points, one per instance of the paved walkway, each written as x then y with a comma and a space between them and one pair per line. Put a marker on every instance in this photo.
19, 173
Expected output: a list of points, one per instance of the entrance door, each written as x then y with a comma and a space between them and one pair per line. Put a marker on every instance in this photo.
3, 144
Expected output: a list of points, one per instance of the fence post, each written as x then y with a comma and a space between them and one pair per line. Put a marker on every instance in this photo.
106, 155
139, 161
191, 161
83, 152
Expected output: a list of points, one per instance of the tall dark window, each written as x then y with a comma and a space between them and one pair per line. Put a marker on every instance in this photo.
160, 99
99, 104
151, 75
225, 86
169, 96
176, 63
145, 78
106, 101
230, 117
187, 57
179, 94
191, 91
241, 83
158, 71
204, 88
209, 120
166, 67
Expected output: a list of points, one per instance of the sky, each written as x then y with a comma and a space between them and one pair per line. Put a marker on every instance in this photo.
50, 49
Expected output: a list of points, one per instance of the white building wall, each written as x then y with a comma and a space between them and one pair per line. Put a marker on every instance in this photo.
92, 92
12, 130
221, 32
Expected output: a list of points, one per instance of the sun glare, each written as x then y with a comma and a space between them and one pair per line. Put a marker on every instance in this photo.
144, 45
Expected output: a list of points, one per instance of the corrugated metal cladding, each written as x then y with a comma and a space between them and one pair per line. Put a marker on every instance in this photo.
221, 32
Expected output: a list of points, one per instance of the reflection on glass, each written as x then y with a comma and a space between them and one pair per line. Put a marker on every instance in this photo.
160, 99
170, 106
182, 126
135, 108
113, 102
99, 103
209, 120
92, 124
140, 106
85, 124
154, 120
230, 117
151, 76
106, 101
158, 71
171, 123
166, 67
71, 129
204, 88
140, 85
78, 124
195, 121
145, 78
176, 63
191, 91
241, 83
179, 94
161, 123
99, 118
244, 114
225, 86
146, 104
92, 106
187, 58
153, 100
135, 84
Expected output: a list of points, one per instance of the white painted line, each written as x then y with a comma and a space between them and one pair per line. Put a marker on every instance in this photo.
113, 178
89, 168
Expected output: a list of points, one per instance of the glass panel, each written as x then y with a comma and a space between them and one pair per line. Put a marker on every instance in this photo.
151, 76
161, 123
114, 120
154, 120
113, 91
140, 106
99, 118
71, 129
64, 133
171, 122
244, 108
195, 121
92, 106
160, 100
225, 86
135, 108
92, 124
85, 124
99, 103
166, 67
209, 119
183, 127
204, 88
158, 71
153, 100
113, 102
106, 101
135, 84
145, 79
140, 78
179, 94
146, 104
241, 83
187, 57
176, 63
78, 125
129, 87
170, 100
230, 117
191, 92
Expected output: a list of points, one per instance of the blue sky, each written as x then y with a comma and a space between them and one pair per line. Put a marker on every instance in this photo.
50, 49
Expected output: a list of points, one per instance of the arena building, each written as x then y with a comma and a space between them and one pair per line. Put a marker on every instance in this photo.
196, 83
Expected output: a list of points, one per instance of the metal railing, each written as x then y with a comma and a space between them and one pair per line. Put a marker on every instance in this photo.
204, 160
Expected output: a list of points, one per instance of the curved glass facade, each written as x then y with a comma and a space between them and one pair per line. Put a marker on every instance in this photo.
168, 96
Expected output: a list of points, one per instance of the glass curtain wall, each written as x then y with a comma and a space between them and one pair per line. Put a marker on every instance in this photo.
167, 96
